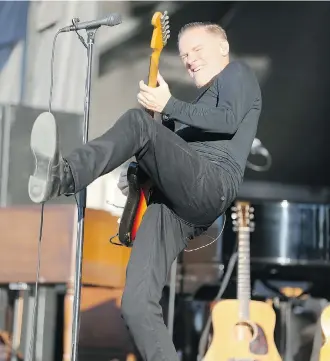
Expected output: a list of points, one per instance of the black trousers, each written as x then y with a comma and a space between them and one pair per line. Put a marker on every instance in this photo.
191, 192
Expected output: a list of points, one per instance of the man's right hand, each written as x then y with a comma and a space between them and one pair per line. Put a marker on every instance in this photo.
122, 182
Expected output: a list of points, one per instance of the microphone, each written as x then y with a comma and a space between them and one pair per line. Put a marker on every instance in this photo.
112, 20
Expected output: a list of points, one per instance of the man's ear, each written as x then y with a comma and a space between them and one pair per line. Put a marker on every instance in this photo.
224, 46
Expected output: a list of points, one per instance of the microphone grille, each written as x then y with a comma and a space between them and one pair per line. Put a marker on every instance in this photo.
114, 19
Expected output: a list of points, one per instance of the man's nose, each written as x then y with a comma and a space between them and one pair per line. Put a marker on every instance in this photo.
191, 59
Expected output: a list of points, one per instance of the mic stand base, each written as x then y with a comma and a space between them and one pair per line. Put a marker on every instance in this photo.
81, 200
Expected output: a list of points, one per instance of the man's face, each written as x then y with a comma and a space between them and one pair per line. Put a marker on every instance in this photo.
203, 54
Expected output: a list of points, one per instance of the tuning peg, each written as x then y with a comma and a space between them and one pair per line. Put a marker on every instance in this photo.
251, 216
165, 37
164, 17
233, 216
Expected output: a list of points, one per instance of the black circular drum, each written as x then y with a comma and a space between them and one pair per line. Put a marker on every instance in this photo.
285, 235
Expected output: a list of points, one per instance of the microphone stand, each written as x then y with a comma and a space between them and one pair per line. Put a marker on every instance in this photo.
81, 204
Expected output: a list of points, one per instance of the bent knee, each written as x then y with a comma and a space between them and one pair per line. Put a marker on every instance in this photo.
136, 112
140, 115
141, 119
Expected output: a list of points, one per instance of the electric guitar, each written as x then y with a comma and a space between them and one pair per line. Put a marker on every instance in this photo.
325, 325
138, 188
243, 330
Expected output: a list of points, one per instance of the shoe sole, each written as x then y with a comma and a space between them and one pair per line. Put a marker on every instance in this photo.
43, 143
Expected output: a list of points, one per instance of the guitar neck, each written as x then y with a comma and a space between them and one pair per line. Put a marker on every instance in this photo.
153, 71
153, 68
243, 273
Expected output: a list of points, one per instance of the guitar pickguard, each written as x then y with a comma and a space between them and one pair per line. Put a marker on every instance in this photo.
259, 345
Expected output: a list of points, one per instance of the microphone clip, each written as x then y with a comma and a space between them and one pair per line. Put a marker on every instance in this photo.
74, 22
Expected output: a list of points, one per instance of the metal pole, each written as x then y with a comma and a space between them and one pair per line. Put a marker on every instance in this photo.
81, 205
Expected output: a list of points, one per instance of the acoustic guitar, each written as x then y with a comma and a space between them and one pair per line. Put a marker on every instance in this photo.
139, 189
243, 330
325, 325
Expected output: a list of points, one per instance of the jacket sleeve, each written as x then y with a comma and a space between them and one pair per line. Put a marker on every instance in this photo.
234, 102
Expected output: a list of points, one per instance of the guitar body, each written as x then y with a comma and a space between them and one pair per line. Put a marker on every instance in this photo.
135, 207
232, 341
139, 188
325, 325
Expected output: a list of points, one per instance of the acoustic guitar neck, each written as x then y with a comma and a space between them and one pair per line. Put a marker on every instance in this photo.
244, 227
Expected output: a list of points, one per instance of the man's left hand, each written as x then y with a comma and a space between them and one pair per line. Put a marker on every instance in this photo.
154, 99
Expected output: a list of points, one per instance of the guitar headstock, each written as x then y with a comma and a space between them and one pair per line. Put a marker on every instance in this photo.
161, 32
242, 217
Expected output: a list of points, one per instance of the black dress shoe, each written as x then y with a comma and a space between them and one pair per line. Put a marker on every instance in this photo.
52, 175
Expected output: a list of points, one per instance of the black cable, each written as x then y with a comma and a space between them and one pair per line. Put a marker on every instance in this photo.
35, 304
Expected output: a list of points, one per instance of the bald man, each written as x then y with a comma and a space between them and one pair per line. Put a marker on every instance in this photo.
196, 171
